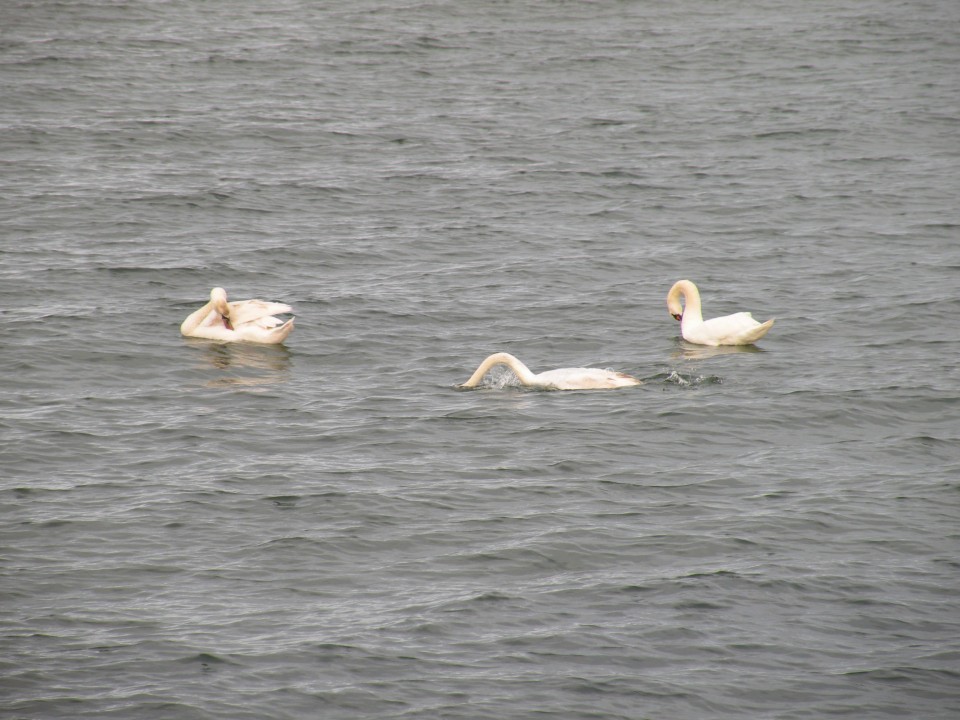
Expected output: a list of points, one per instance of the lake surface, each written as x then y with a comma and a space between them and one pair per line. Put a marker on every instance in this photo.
329, 528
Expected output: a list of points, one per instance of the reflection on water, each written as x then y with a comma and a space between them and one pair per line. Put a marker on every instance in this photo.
689, 351
244, 363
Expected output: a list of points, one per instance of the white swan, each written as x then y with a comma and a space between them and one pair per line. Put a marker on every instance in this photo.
562, 379
737, 329
242, 321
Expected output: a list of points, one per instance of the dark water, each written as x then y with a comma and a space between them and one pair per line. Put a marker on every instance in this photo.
329, 529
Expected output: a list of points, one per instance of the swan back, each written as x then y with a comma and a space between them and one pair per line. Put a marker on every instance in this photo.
585, 379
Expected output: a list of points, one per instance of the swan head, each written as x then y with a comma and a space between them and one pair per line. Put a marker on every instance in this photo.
685, 289
218, 296
673, 305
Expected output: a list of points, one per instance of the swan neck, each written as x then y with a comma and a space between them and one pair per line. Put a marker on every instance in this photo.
522, 372
195, 318
692, 309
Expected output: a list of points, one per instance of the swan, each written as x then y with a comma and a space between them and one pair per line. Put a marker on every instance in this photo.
737, 329
562, 379
242, 321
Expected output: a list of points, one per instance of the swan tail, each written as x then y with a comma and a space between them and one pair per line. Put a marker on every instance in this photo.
627, 380
279, 334
754, 334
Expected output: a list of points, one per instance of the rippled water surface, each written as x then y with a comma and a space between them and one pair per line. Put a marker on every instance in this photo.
330, 528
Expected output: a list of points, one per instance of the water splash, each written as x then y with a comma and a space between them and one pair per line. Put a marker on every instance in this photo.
683, 380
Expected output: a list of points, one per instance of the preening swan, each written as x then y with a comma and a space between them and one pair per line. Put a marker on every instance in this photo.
737, 329
241, 321
562, 379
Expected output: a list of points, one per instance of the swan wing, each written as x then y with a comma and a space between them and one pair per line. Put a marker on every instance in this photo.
250, 311
271, 335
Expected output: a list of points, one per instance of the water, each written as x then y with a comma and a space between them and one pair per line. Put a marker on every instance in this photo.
330, 529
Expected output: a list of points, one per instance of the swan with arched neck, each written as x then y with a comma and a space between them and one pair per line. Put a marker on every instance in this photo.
239, 321
560, 379
737, 329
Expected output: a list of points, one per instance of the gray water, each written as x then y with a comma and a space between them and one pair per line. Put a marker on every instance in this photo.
329, 528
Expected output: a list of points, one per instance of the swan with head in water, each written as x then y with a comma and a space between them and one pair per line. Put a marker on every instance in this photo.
562, 379
241, 321
737, 329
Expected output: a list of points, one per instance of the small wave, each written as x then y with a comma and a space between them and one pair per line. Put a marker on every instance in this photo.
687, 380
206, 660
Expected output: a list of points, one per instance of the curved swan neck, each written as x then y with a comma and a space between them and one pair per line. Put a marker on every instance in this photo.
691, 301
195, 318
522, 372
